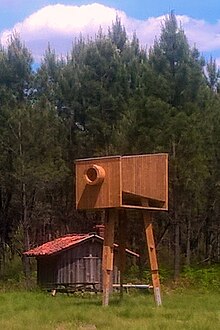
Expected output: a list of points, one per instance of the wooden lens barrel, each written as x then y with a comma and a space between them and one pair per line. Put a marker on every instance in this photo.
94, 175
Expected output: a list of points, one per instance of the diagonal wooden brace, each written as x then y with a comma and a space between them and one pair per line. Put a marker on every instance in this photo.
152, 256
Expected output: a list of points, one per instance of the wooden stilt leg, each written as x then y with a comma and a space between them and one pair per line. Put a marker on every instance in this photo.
152, 256
122, 247
108, 253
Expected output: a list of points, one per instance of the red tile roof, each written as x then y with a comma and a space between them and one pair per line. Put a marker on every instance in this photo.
65, 242
57, 245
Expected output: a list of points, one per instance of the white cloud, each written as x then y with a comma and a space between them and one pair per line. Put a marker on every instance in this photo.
206, 36
60, 24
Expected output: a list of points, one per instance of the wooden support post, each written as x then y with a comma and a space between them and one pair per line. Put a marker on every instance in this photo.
152, 256
122, 247
108, 254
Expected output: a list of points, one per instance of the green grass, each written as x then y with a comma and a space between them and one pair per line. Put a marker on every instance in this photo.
39, 310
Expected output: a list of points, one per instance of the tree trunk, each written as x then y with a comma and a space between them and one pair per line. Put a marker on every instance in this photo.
26, 260
2, 258
176, 250
176, 218
24, 220
188, 245
218, 245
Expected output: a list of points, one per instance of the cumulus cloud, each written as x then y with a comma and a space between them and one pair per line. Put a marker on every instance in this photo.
205, 35
61, 24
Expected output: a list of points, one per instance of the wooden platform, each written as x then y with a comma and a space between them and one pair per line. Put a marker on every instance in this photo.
72, 288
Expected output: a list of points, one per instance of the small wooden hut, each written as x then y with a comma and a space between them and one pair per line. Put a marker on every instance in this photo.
73, 261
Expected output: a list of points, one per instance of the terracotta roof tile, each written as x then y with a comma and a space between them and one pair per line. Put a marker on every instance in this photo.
63, 243
57, 245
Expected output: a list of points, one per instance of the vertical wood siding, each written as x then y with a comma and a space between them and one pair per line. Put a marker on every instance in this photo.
80, 264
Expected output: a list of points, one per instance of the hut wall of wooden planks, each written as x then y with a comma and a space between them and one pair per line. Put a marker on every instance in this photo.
79, 264
74, 259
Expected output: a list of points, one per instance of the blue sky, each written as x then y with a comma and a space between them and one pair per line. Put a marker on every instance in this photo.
59, 22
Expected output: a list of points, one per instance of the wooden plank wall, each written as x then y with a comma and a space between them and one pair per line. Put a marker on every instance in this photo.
82, 264
106, 195
146, 176
127, 180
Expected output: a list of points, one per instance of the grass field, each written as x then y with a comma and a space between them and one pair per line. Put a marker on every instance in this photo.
37, 310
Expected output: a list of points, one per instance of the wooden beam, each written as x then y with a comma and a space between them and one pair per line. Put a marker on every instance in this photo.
122, 246
108, 254
152, 256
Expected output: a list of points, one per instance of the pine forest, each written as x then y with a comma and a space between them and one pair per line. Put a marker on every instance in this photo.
110, 96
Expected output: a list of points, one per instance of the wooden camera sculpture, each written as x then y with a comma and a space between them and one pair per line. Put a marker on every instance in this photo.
118, 183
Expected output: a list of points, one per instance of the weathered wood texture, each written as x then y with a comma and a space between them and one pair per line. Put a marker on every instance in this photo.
126, 181
81, 264
108, 254
147, 216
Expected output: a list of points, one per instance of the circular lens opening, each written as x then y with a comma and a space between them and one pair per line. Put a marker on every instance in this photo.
91, 174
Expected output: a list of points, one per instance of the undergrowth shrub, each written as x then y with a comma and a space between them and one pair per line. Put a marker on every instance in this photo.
205, 278
194, 277
13, 276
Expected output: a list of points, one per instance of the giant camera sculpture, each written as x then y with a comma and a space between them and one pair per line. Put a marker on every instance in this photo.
118, 183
